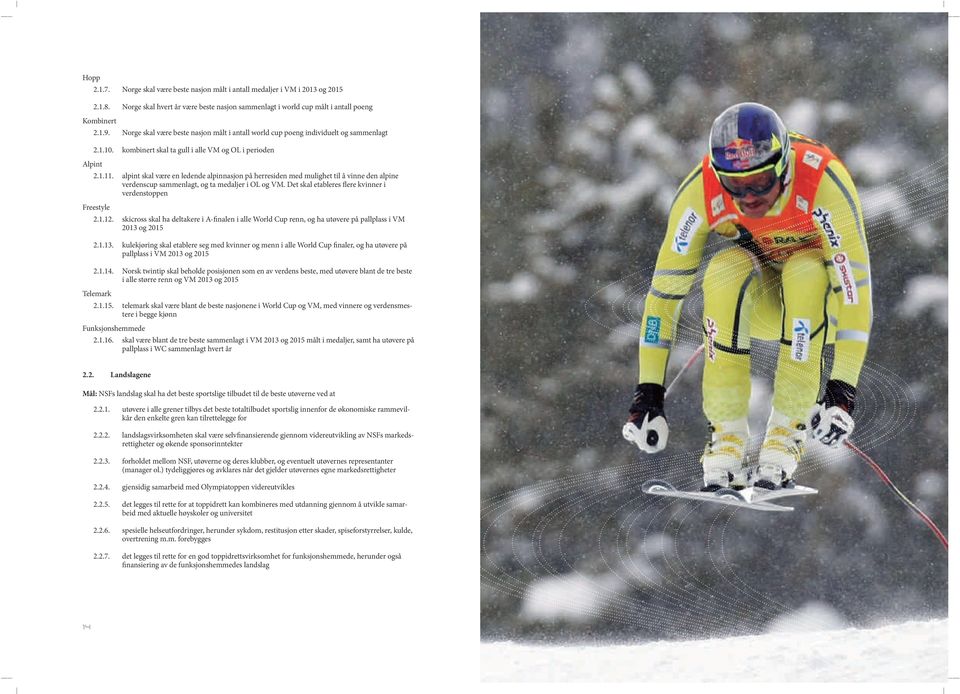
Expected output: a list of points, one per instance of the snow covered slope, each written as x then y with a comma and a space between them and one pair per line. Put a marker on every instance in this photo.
908, 652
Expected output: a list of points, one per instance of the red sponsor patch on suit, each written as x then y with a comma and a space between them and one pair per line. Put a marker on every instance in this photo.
848, 285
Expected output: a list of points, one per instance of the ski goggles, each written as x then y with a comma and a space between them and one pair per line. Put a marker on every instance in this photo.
758, 183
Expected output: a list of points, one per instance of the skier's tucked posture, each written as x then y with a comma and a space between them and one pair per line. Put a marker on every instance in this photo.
796, 270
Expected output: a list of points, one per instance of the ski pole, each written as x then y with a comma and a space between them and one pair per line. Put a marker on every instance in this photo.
863, 456
900, 495
683, 368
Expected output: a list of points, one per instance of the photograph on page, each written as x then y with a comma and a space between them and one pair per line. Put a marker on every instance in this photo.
714, 347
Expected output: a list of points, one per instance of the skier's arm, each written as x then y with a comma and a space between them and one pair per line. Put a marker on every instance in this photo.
673, 276
838, 214
676, 269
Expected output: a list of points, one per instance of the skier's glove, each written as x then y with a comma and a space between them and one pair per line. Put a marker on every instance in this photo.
831, 423
647, 426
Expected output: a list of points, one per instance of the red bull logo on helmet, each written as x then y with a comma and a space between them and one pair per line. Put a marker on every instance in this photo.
739, 151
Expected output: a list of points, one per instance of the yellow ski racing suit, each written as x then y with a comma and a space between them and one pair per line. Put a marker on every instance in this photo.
799, 275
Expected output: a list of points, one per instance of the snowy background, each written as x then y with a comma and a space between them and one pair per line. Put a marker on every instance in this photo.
589, 122
905, 652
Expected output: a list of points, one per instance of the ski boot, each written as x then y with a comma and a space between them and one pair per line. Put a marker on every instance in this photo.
725, 456
781, 452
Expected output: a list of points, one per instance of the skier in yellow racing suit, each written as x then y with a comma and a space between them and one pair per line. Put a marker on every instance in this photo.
796, 270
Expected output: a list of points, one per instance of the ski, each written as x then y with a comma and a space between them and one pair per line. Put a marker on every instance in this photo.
729, 497
770, 494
